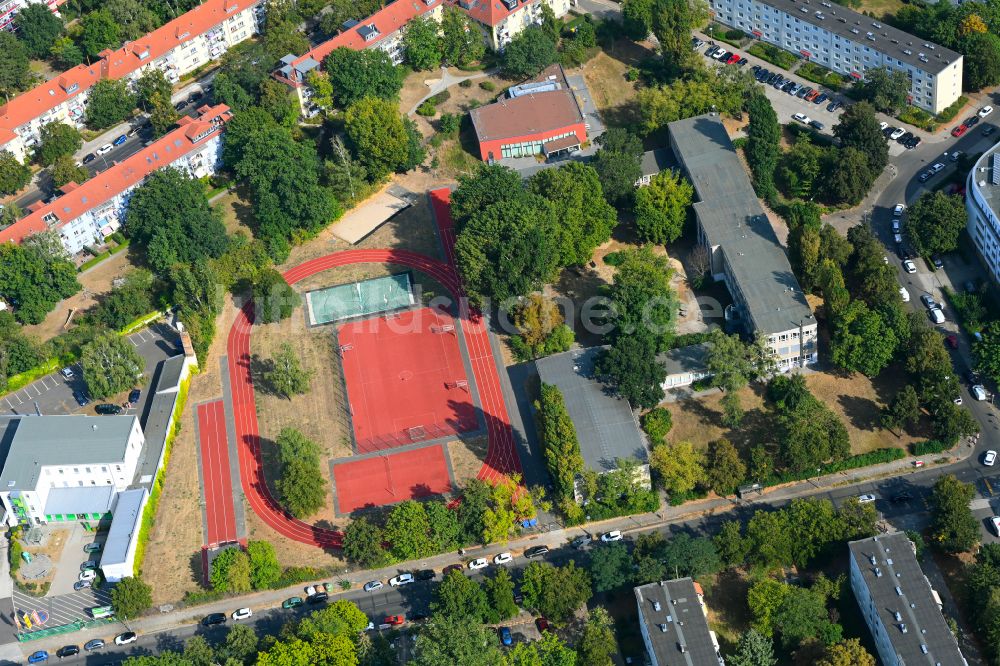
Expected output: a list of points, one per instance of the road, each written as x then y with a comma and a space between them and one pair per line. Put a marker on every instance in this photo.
53, 393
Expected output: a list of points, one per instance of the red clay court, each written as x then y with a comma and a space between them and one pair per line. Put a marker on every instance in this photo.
405, 379
217, 484
391, 478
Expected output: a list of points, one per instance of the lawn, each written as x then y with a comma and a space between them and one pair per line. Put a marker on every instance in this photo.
821, 75
605, 74
774, 55
880, 8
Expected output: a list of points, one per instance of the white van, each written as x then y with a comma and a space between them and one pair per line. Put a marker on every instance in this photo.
978, 392
905, 295
936, 315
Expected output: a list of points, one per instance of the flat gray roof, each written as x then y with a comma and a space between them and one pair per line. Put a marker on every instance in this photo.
125, 520
903, 588
157, 417
731, 216
989, 161
685, 359
678, 603
85, 499
655, 161
883, 38
605, 426
33, 441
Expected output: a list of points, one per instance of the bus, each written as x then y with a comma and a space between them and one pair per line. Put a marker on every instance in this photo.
101, 612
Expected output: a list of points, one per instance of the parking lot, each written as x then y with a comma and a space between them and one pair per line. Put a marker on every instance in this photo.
54, 393
64, 608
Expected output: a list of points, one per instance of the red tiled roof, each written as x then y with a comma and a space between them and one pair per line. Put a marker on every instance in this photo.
116, 64
489, 12
78, 199
387, 21
526, 115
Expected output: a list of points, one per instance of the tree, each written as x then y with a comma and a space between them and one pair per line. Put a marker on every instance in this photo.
642, 298
461, 597
488, 184
500, 596
631, 367
730, 544
810, 434
849, 177
672, 22
953, 527
422, 43
638, 18
162, 114
618, 163
14, 71
802, 615
687, 97
231, 571
679, 465
982, 67
555, 592
903, 411
379, 136
461, 38
286, 376
763, 144
110, 103
662, 207
858, 128
265, 570
935, 221
38, 28
197, 652
339, 618
559, 441
597, 643
170, 219
363, 544
848, 652
724, 469
584, 219
150, 84
445, 531
274, 298
732, 364
13, 174
541, 327
57, 140
302, 484
407, 531
65, 52
281, 31
609, 567
508, 250
861, 341
656, 423
887, 89
753, 649
35, 280
531, 51
547, 651
130, 597
355, 75
100, 32
455, 641
65, 170
280, 102
110, 365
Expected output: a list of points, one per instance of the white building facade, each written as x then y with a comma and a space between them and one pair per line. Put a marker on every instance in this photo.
982, 204
10, 8
849, 43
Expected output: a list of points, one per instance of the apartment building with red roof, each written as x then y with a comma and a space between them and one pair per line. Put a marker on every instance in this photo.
88, 213
176, 48
499, 20
10, 8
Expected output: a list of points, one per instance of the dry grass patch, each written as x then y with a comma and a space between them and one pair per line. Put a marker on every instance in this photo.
467, 456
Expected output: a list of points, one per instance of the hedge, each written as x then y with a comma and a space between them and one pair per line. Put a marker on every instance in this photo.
19, 381
918, 118
876, 457
774, 55
90, 263
688, 339
952, 111
140, 322
928, 447
821, 75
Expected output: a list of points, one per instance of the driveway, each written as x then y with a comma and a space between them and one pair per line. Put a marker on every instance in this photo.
53, 393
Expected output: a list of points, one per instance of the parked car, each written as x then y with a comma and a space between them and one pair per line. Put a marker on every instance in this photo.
833, 106
214, 619
536, 551
912, 142
89, 564
904, 295
985, 111
134, 395
909, 266
952, 341
89, 157
733, 59
89, 574
479, 563
96, 644
179, 106
959, 131
401, 579
866, 498
936, 315
120, 140
995, 521
38, 656
742, 62
989, 129
581, 541
542, 624
815, 124
904, 137
802, 118
503, 558
394, 620
990, 458
971, 122
978, 392
242, 613
937, 261
613, 535
373, 585
505, 636
81, 585
802, 93
128, 637
928, 301
292, 602
68, 651
425, 574
105, 149
897, 210
81, 399
108, 409
821, 98
92, 548
317, 598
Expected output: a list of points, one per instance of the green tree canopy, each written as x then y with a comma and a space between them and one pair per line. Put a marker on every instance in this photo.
231, 571
14, 70
13, 175
151, 82
38, 28
448, 640
488, 184
887, 89
130, 597
763, 143
408, 531
531, 51
953, 527
382, 140
724, 468
57, 140
680, 466
110, 365
630, 366
662, 207
363, 544
302, 484
356, 74
422, 43
274, 299
618, 163
459, 596
65, 170
610, 567
110, 103
597, 643
33, 281
286, 376
935, 221
461, 38
265, 570
559, 440
555, 592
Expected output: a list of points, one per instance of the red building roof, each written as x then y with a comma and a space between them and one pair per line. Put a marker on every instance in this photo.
116, 64
489, 12
78, 199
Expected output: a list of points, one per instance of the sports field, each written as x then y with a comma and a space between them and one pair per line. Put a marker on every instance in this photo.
359, 299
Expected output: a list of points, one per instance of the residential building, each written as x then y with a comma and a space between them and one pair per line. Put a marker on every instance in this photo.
684, 365
653, 162
744, 250
847, 42
605, 425
87, 214
118, 554
10, 8
673, 621
538, 117
64, 468
502, 20
177, 48
898, 604
982, 203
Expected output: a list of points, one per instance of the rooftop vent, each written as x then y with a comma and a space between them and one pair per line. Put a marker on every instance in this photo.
899, 591
656, 605
663, 628
923, 648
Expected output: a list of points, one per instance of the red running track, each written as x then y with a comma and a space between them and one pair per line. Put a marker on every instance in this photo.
501, 457
218, 484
